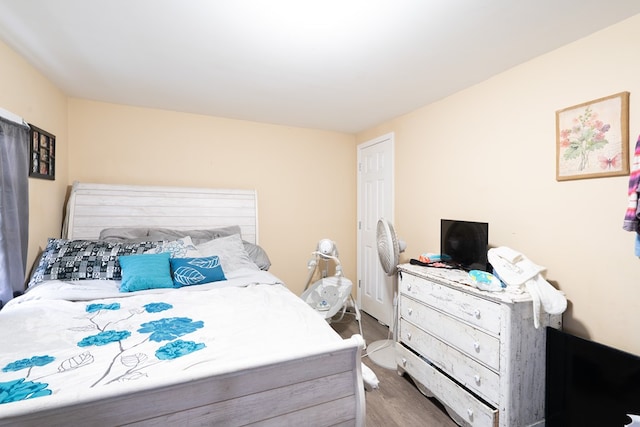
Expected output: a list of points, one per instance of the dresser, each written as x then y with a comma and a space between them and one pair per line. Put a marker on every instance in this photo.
477, 352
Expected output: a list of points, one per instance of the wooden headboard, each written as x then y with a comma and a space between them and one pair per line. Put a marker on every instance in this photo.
94, 207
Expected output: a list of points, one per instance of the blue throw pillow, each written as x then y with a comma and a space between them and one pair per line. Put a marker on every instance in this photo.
196, 271
146, 271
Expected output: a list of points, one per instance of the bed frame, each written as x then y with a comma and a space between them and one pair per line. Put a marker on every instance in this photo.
318, 389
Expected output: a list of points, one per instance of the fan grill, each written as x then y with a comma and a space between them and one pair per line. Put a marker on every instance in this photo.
388, 248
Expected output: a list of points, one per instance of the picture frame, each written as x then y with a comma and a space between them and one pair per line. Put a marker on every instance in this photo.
42, 154
592, 139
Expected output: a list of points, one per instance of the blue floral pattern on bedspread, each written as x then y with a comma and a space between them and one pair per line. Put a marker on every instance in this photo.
126, 363
168, 329
21, 389
21, 364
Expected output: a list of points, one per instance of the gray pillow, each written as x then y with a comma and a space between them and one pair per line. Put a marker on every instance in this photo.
197, 236
137, 234
124, 234
258, 255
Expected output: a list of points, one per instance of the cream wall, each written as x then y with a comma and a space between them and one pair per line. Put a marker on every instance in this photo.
305, 178
24, 91
488, 154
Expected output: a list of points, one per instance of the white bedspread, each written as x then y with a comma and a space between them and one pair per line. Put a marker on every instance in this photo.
69, 342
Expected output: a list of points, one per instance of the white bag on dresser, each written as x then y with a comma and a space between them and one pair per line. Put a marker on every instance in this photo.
514, 269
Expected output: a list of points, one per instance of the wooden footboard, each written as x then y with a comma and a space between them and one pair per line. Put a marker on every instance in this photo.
323, 389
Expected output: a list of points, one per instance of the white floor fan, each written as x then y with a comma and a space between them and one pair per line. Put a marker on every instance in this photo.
382, 352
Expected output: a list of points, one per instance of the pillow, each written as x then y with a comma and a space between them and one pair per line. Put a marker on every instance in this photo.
258, 255
198, 236
145, 271
125, 234
30, 279
231, 251
84, 259
196, 271
180, 248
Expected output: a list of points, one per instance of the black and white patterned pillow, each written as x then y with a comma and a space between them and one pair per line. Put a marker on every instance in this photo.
85, 259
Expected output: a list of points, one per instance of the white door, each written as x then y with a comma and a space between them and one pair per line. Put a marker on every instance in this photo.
375, 200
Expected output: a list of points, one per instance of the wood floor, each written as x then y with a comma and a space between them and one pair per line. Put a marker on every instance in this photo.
397, 402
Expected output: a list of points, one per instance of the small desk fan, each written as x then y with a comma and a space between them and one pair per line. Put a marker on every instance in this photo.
382, 352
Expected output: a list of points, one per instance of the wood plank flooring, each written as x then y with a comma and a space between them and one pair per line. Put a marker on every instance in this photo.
397, 402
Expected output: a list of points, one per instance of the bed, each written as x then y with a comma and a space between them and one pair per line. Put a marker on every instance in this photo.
242, 350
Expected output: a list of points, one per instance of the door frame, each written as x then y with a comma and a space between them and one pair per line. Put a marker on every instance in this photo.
389, 206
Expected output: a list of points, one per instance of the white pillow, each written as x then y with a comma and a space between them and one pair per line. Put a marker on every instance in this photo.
231, 251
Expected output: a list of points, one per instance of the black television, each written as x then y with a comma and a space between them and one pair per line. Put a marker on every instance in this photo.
466, 243
589, 384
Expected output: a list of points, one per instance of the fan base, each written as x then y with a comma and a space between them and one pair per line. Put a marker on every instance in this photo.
383, 353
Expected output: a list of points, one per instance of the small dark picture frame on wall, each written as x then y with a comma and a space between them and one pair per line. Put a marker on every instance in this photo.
42, 154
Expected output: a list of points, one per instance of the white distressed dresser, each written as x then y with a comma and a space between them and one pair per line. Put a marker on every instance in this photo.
477, 352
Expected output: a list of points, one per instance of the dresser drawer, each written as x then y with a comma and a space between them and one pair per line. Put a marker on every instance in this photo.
466, 338
463, 406
477, 311
473, 375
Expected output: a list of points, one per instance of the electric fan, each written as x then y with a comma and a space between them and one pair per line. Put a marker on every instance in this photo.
382, 352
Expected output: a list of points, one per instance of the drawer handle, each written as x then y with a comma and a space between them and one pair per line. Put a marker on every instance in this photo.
477, 313
409, 335
404, 362
476, 346
470, 413
410, 311
409, 287
476, 378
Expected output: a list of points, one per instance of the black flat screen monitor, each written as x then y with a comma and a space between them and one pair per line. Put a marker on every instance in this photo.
466, 242
589, 384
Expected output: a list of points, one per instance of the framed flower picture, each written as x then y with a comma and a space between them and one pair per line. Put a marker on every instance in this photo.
42, 154
592, 139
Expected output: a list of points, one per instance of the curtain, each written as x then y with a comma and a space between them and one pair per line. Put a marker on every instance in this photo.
14, 207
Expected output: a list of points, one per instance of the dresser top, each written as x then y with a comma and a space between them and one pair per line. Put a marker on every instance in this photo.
459, 279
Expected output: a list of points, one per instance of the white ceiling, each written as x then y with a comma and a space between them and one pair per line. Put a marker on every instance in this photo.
342, 65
